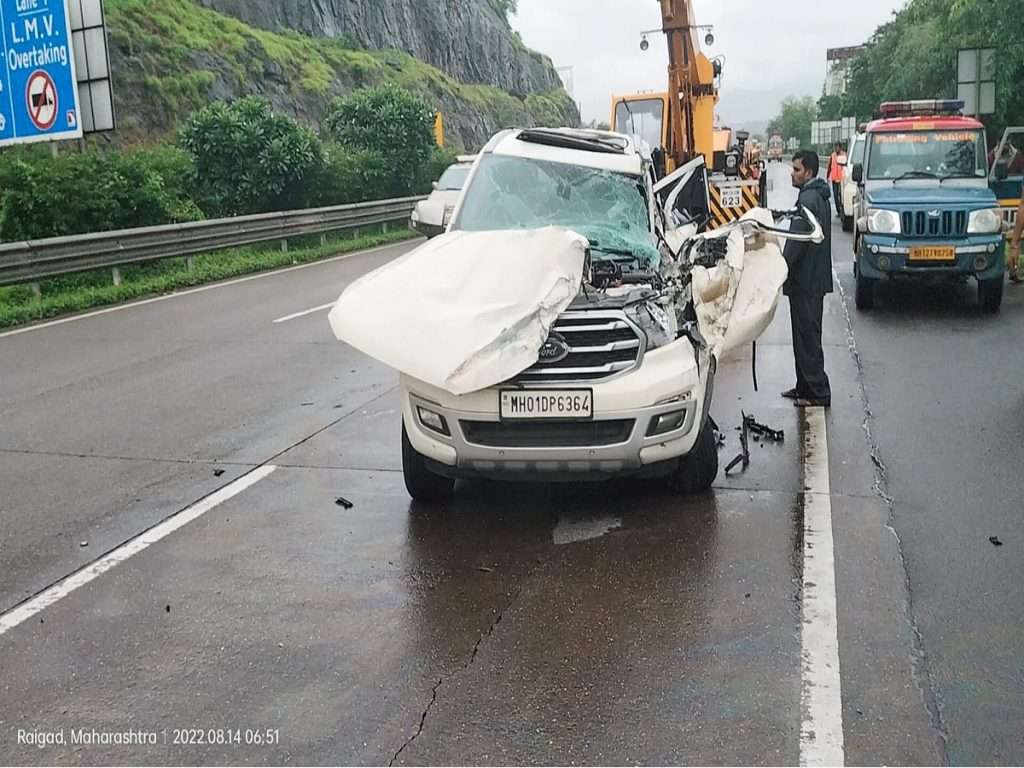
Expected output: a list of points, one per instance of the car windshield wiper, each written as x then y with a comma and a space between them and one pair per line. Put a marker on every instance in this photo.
569, 141
916, 175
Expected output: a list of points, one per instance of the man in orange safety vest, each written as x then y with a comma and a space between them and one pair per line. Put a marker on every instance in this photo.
836, 165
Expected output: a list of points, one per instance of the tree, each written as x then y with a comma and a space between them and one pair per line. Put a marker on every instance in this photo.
830, 108
390, 121
913, 56
249, 159
795, 119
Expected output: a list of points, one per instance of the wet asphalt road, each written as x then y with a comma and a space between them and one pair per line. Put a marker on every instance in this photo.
553, 624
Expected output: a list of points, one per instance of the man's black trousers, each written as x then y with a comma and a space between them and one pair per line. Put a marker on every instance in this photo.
811, 379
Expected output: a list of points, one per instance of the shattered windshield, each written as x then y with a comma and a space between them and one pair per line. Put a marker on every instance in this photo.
609, 209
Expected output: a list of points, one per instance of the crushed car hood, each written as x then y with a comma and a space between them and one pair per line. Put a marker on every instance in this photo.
466, 310
735, 301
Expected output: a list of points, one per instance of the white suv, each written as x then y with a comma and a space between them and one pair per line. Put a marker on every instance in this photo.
568, 325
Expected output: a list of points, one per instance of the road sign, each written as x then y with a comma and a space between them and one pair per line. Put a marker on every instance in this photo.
976, 80
38, 85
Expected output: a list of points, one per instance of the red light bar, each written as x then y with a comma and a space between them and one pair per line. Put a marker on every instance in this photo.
922, 107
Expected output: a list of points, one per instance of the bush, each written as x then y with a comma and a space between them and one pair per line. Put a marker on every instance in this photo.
249, 159
392, 122
348, 176
43, 196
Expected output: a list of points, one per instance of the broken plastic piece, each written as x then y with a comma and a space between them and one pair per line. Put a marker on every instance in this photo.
341, 501
995, 540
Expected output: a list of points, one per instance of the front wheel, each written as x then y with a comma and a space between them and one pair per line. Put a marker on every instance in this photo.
699, 468
864, 297
420, 482
990, 294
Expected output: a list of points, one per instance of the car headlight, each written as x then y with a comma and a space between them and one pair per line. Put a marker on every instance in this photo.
655, 322
883, 222
987, 221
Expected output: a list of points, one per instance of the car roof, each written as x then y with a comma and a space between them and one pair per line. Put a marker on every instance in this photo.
608, 151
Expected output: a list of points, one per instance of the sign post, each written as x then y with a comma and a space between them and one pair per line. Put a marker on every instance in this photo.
38, 84
976, 80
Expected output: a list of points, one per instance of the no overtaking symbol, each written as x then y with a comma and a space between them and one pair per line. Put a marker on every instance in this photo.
41, 94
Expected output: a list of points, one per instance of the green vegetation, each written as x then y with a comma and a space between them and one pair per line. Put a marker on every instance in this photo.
177, 53
392, 124
505, 7
247, 159
913, 56
42, 196
795, 119
75, 293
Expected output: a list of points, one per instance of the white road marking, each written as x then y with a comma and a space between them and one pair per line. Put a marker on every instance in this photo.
201, 289
821, 731
83, 576
305, 312
572, 530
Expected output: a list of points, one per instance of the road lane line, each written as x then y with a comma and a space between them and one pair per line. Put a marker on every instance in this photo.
94, 570
305, 312
203, 288
821, 730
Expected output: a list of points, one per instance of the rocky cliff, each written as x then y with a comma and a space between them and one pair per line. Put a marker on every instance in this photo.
171, 57
470, 40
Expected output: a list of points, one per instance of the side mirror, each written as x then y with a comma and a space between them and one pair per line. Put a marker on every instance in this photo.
858, 173
1002, 170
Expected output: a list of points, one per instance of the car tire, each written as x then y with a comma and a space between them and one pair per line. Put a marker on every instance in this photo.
420, 482
990, 294
864, 297
698, 469
847, 223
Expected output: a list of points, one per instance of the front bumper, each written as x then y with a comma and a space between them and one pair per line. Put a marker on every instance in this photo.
616, 442
883, 256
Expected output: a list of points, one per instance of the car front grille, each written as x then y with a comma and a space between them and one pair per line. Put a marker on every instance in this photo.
565, 434
601, 344
945, 224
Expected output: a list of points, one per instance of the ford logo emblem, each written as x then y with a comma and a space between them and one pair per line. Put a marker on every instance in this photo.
555, 350
935, 214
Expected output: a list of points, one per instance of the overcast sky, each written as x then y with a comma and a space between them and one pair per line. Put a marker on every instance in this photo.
768, 55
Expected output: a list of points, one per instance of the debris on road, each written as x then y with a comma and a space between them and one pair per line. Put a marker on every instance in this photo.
995, 541
83, 544
484, 569
341, 501
744, 456
775, 435
218, 472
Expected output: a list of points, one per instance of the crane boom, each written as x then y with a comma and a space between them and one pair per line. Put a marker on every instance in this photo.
692, 91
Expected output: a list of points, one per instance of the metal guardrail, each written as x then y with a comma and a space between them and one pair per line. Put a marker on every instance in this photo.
34, 260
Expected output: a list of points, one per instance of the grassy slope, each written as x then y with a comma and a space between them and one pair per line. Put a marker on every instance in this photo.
165, 36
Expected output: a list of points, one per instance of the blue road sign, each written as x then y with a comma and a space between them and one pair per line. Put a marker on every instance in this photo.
38, 89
